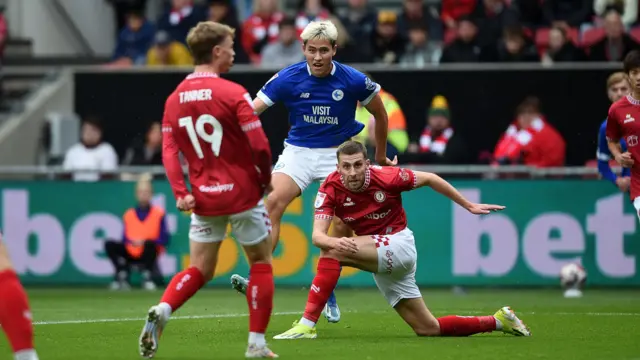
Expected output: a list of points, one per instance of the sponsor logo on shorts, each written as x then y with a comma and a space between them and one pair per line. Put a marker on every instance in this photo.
388, 264
380, 196
219, 188
278, 166
378, 216
197, 229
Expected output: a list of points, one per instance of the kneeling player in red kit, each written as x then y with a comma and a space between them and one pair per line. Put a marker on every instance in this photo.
15, 316
213, 123
623, 123
368, 199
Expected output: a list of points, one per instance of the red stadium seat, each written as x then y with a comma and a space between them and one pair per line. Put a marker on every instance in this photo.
635, 34
542, 38
591, 36
449, 36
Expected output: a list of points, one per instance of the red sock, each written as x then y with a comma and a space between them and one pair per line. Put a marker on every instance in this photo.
260, 297
182, 287
466, 325
15, 316
322, 287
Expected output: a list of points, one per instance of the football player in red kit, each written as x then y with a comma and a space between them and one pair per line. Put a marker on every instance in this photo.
15, 316
623, 123
211, 121
368, 199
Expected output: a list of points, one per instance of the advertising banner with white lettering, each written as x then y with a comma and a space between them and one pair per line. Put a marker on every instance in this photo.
55, 233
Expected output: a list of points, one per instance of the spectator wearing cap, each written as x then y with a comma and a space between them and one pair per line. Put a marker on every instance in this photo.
465, 48
438, 142
420, 50
166, 52
135, 40
388, 44
286, 50
397, 138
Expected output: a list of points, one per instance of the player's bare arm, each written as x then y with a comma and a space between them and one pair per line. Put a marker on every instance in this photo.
376, 108
443, 187
622, 158
322, 240
259, 106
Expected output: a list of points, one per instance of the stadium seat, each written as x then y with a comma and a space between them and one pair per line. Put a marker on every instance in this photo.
449, 36
635, 33
591, 36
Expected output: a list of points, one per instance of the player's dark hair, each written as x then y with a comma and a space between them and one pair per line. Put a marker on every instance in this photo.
530, 105
287, 21
93, 121
204, 37
351, 148
632, 61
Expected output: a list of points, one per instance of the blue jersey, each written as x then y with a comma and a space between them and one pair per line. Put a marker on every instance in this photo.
321, 110
604, 155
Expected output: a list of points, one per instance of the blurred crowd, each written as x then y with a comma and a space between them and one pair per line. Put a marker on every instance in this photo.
419, 33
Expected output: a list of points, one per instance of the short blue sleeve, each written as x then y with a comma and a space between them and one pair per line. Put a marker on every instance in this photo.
274, 90
365, 88
603, 153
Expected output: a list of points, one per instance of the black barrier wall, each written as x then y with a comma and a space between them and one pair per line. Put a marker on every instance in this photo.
482, 102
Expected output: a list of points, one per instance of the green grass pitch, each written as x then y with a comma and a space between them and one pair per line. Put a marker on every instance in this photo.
96, 324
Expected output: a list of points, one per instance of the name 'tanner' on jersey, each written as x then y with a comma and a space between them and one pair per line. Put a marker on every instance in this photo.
321, 110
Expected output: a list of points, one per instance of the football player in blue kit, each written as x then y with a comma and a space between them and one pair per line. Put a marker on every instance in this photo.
617, 87
321, 96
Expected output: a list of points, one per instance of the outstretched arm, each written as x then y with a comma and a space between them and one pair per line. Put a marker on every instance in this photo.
443, 187
259, 106
320, 236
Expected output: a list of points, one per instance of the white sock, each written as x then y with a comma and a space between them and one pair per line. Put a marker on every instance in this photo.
166, 309
26, 355
498, 324
257, 339
309, 323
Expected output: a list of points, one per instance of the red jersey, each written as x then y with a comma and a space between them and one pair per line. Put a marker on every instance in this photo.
623, 122
376, 209
212, 122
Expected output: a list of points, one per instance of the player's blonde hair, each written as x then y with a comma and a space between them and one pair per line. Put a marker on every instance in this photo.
322, 30
203, 37
615, 78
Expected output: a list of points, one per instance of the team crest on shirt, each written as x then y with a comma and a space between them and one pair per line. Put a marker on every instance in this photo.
320, 199
380, 196
337, 95
632, 140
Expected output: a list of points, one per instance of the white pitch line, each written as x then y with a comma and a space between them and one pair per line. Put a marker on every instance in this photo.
222, 316
188, 317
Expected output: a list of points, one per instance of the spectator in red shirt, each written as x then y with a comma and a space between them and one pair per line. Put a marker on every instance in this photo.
530, 140
261, 28
312, 10
452, 10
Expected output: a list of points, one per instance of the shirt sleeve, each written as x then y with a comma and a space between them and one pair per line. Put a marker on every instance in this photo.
252, 127
110, 158
365, 88
274, 90
402, 180
171, 158
325, 203
613, 132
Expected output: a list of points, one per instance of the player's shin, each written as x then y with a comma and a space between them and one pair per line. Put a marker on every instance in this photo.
454, 325
181, 288
321, 288
15, 316
260, 301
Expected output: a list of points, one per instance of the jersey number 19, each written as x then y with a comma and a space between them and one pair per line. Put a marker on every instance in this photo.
197, 131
